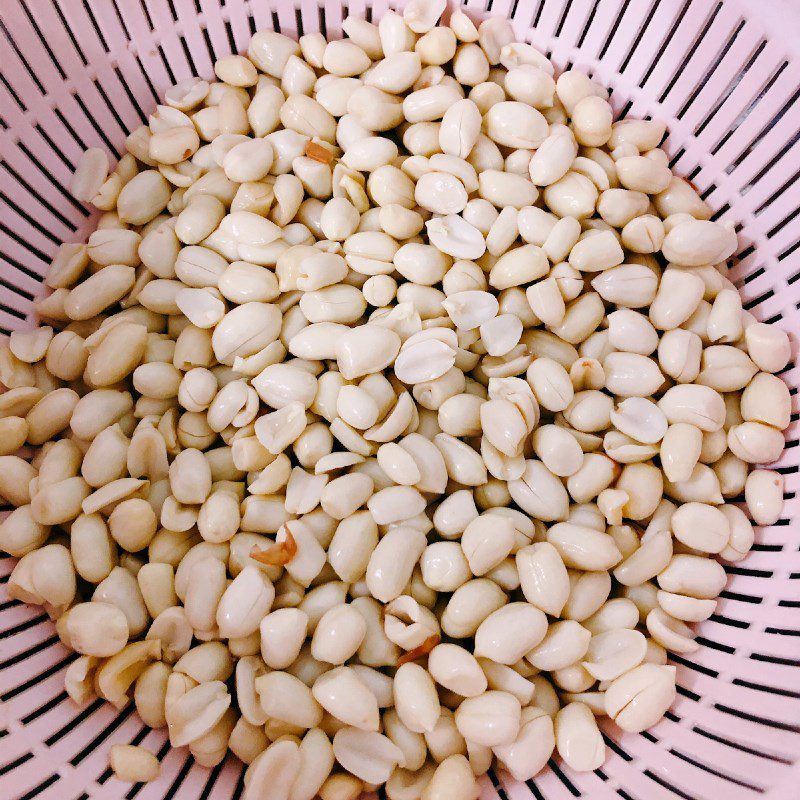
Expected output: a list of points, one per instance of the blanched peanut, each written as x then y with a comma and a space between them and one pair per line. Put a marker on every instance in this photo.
368, 755
490, 719
341, 786
352, 545
342, 693
244, 603
565, 643
543, 577
415, 698
282, 633
96, 629
338, 634
456, 669
764, 496
132, 524
701, 527
16, 475
190, 477
507, 634
693, 575
768, 346
392, 562
578, 738
549, 501
286, 698
133, 764
638, 698
766, 399
44, 576
469, 605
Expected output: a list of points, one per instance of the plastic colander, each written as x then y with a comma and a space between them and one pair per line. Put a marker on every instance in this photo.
724, 74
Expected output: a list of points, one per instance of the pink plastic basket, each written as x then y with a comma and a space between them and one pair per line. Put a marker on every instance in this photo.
723, 73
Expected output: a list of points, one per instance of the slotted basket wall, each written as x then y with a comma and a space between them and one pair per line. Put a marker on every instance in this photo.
725, 74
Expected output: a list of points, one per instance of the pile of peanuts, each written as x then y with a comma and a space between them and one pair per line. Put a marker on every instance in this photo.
389, 424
